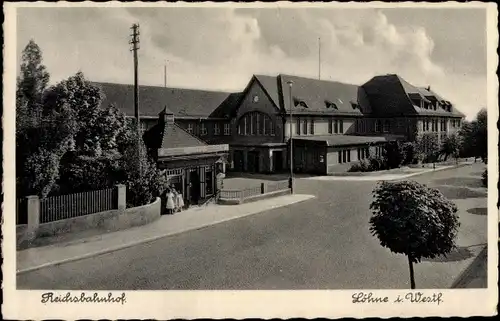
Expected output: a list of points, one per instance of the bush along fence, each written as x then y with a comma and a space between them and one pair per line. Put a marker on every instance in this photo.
104, 209
254, 193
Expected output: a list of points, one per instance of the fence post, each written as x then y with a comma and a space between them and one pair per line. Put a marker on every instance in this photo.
33, 210
121, 192
262, 188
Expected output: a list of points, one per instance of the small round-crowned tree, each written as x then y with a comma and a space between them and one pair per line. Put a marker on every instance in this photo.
412, 219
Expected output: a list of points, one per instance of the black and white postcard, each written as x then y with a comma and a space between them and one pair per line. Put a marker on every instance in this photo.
250, 160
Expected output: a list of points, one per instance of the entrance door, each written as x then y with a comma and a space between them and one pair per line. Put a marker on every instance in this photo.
277, 161
253, 161
238, 160
194, 187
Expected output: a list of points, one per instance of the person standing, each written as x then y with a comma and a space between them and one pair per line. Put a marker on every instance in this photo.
170, 202
180, 201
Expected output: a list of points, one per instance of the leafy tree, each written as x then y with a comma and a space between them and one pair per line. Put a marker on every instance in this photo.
84, 99
411, 154
32, 81
144, 181
41, 138
412, 219
428, 147
450, 146
394, 154
474, 136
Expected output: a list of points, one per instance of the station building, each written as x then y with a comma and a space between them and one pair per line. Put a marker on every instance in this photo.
330, 124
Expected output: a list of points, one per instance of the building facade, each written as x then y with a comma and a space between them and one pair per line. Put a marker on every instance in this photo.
330, 124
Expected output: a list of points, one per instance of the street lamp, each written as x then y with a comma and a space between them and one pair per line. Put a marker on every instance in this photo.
290, 83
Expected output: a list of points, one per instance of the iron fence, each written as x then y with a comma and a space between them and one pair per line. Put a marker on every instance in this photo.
73, 205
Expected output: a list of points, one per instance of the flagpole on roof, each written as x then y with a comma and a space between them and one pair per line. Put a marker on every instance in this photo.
165, 73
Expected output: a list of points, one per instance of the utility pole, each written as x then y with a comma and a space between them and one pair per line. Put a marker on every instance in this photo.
135, 47
290, 83
319, 58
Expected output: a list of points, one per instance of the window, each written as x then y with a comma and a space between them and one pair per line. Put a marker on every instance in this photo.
311, 127
254, 123
341, 126
227, 129
330, 126
190, 128
336, 128
216, 129
304, 127
377, 126
203, 129
297, 126
387, 126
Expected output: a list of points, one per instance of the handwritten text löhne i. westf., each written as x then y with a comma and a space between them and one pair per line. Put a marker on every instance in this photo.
411, 297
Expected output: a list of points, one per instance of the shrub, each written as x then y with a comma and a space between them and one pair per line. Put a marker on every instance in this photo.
485, 178
377, 163
362, 166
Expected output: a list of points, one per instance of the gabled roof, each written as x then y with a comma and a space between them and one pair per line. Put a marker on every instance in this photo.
152, 99
317, 95
271, 87
228, 105
170, 135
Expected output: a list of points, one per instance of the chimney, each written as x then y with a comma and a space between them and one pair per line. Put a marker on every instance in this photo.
166, 116
428, 88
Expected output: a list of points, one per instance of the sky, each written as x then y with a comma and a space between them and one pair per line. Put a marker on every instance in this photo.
221, 48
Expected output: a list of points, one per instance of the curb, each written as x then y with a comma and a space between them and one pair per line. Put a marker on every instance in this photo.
151, 239
388, 176
465, 274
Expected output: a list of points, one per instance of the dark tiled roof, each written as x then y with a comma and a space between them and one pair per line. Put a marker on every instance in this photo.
317, 94
152, 99
170, 135
391, 94
428, 95
270, 85
345, 140
227, 107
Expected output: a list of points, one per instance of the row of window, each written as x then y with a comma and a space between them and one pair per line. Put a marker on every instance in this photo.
344, 156
335, 126
203, 131
304, 126
436, 125
363, 153
256, 124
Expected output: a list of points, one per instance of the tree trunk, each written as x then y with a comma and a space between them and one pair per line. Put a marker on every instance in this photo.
412, 275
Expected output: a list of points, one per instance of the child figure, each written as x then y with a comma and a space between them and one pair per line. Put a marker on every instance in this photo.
180, 202
170, 202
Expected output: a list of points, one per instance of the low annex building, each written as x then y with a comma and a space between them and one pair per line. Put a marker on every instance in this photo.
191, 164
331, 124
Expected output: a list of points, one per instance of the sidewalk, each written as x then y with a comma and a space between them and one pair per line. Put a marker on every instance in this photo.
40, 257
386, 177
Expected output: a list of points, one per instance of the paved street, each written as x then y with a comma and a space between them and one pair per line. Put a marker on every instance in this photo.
323, 243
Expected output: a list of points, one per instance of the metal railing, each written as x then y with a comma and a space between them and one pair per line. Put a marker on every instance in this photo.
254, 191
73, 205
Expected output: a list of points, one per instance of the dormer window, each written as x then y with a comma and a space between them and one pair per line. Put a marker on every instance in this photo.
330, 104
299, 103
